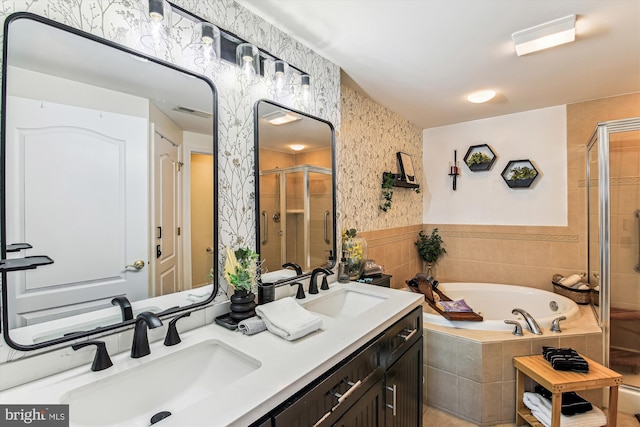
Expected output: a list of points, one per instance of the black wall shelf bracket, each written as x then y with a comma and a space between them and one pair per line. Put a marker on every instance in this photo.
26, 263
17, 247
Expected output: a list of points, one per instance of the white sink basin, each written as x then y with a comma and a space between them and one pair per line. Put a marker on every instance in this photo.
171, 383
345, 303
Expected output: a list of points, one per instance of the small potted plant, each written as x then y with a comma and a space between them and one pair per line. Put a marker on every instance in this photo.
240, 270
478, 161
354, 249
430, 248
519, 174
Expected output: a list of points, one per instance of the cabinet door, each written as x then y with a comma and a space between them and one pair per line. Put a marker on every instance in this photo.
403, 389
368, 411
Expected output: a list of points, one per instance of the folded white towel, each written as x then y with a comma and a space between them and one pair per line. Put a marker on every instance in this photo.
287, 319
541, 409
252, 325
198, 294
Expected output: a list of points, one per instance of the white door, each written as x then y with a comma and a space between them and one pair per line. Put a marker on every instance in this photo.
167, 238
77, 192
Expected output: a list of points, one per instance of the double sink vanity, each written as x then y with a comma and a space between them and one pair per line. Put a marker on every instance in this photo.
110, 129
216, 376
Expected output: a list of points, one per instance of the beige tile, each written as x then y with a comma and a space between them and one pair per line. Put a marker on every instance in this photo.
470, 399
442, 351
469, 363
434, 417
511, 349
442, 389
491, 402
508, 401
538, 343
491, 362
578, 343
595, 347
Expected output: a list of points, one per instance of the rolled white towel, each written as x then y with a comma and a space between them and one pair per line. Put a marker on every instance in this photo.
287, 319
541, 409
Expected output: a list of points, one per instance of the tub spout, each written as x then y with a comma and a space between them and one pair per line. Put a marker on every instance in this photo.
531, 322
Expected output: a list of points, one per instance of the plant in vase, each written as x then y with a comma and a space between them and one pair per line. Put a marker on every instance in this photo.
430, 248
354, 249
240, 270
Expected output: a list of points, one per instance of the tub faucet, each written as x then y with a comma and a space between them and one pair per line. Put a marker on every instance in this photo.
140, 346
313, 282
531, 322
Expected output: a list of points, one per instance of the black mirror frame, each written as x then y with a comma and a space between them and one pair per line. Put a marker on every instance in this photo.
256, 170
3, 244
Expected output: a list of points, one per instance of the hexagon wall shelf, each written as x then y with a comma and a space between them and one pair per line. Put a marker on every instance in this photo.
519, 173
479, 158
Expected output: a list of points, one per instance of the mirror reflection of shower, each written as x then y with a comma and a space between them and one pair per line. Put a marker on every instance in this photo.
301, 196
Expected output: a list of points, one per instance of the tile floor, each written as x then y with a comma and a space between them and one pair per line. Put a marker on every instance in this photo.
435, 418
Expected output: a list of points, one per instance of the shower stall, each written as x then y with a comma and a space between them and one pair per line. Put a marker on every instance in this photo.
296, 218
613, 217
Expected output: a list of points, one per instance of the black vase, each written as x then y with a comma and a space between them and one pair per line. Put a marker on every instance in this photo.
242, 305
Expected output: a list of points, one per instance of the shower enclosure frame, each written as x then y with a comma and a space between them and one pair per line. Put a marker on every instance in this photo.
306, 210
600, 140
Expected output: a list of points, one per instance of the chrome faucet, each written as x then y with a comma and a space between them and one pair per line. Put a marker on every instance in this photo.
140, 346
531, 322
313, 283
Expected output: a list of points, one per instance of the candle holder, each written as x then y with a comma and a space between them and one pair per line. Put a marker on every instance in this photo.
454, 170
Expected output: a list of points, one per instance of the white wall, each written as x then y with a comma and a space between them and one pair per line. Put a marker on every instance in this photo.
484, 198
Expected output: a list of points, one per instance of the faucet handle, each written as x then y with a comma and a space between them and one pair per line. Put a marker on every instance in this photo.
101, 360
555, 325
518, 327
172, 337
300, 294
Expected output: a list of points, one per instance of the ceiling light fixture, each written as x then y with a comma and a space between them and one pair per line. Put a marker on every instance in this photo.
280, 117
544, 36
297, 147
481, 96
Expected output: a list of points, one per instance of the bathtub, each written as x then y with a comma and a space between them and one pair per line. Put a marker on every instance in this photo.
495, 302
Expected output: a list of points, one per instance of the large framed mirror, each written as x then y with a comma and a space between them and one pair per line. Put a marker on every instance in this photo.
109, 169
295, 184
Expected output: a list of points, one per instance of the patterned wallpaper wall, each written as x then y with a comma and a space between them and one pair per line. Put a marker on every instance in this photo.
119, 21
370, 137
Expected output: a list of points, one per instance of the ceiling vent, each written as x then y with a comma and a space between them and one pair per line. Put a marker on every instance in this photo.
193, 112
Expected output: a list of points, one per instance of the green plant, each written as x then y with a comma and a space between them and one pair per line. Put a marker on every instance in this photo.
430, 246
524, 172
387, 191
478, 158
240, 268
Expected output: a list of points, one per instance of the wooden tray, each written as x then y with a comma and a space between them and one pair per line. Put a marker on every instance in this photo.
425, 288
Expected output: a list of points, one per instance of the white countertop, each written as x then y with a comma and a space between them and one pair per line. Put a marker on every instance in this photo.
285, 367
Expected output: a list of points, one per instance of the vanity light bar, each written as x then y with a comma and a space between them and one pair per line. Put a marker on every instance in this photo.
229, 42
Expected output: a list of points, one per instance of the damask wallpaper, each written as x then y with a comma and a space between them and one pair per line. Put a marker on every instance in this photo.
370, 137
119, 21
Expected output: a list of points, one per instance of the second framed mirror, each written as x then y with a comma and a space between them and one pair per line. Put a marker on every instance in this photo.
295, 182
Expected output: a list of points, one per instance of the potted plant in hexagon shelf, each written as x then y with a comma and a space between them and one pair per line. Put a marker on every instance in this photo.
519, 174
479, 158
430, 248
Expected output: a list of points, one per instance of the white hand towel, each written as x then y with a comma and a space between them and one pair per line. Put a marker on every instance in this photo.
287, 319
541, 409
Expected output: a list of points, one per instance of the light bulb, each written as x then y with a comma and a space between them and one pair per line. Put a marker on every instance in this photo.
156, 10
281, 77
306, 88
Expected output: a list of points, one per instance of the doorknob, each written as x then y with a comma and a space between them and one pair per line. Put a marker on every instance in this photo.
137, 264
209, 250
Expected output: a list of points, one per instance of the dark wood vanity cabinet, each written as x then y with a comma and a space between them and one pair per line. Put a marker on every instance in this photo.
378, 385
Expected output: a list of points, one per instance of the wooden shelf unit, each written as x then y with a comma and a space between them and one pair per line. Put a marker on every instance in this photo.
558, 382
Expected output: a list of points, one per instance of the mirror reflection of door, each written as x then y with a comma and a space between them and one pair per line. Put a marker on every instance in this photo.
201, 214
75, 191
167, 199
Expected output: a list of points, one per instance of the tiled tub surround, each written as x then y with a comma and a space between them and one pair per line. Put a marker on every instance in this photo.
470, 374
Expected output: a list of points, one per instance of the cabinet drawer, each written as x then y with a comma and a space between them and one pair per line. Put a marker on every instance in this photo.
401, 336
333, 395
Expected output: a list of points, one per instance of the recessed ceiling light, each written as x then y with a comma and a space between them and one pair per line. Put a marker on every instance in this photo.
297, 147
481, 96
544, 36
